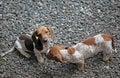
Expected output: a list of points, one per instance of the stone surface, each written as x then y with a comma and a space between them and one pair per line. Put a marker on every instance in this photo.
72, 21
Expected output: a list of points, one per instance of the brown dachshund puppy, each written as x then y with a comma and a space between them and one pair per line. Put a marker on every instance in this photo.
83, 50
38, 43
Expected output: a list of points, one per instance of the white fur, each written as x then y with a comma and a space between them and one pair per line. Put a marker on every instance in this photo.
38, 53
98, 38
74, 58
83, 51
20, 46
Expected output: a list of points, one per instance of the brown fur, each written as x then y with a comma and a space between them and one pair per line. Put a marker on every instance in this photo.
71, 50
39, 43
34, 36
108, 38
54, 53
45, 32
51, 33
24, 36
89, 41
28, 41
42, 33
85, 52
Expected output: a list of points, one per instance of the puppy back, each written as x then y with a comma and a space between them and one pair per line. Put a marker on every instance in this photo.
27, 41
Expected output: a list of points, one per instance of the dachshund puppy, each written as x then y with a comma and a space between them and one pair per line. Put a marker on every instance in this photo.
55, 53
83, 50
37, 43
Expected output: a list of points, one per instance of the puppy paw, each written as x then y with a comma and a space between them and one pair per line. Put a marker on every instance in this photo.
27, 55
40, 61
106, 59
81, 67
2, 55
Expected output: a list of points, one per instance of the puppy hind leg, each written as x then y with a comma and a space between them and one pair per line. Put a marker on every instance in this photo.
11, 50
107, 55
20, 49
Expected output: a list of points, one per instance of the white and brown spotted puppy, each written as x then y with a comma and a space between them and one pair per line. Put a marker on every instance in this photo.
38, 43
83, 50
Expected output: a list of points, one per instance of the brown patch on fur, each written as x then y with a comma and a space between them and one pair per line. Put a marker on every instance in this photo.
71, 50
38, 43
28, 41
89, 41
42, 30
108, 38
34, 36
45, 32
24, 36
51, 33
54, 53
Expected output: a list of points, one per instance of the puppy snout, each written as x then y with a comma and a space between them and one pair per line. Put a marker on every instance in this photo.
45, 40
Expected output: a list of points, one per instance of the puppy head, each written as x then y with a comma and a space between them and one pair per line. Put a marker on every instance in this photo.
43, 34
54, 53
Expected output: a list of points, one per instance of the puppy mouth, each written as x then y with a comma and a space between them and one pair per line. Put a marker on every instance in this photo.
45, 43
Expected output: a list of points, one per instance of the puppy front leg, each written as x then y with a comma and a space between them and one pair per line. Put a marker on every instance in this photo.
39, 57
107, 54
106, 57
80, 67
19, 47
81, 64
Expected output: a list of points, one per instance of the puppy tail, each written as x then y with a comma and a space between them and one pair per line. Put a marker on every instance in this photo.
11, 50
112, 38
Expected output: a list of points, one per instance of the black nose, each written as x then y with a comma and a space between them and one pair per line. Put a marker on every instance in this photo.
45, 40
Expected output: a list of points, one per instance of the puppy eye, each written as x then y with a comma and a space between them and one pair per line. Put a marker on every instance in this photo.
66, 47
46, 32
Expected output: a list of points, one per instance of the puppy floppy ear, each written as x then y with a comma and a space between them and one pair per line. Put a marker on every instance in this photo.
34, 36
58, 58
71, 50
54, 54
51, 33
49, 56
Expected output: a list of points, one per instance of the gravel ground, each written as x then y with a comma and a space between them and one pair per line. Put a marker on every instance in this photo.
72, 21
